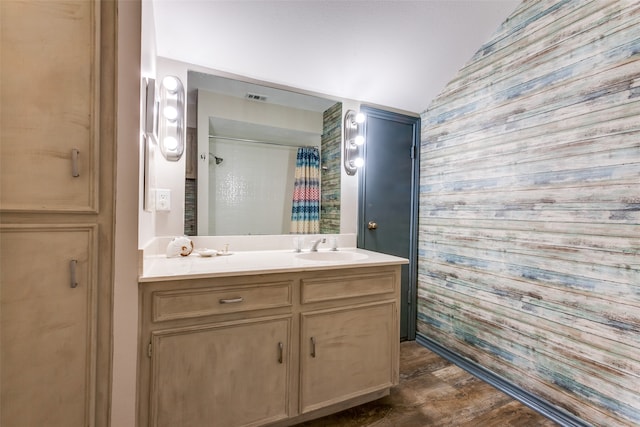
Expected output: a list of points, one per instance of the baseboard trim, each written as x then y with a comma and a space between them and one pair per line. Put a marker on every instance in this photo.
539, 405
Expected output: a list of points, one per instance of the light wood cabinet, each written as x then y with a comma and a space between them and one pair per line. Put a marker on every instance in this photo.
346, 352
272, 349
47, 277
227, 374
57, 76
216, 352
50, 105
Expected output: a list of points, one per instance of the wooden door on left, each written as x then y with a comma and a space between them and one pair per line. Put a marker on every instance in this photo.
47, 327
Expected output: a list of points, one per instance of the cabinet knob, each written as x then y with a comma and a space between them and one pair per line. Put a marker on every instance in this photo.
280, 352
372, 225
313, 347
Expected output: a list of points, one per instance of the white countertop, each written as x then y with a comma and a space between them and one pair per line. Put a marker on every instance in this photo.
160, 268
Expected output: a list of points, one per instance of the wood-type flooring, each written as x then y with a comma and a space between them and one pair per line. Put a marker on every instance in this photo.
435, 392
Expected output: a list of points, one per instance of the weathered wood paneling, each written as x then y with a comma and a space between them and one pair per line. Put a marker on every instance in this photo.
330, 170
529, 240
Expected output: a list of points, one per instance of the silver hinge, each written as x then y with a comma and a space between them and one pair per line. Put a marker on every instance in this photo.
408, 296
413, 151
149, 347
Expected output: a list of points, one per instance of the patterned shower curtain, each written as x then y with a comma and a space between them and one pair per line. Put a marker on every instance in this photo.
305, 211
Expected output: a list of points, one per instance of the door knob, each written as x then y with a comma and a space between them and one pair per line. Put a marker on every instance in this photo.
372, 225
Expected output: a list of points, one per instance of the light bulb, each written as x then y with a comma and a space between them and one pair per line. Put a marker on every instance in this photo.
170, 112
170, 83
171, 143
360, 118
359, 140
358, 162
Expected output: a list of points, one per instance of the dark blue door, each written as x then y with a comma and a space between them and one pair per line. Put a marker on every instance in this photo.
387, 217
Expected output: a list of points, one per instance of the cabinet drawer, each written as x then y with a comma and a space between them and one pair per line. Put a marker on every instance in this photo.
348, 286
188, 303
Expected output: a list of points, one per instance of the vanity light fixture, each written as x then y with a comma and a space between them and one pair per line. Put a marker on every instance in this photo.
171, 118
353, 140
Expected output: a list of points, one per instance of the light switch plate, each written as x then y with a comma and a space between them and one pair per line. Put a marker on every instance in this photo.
163, 200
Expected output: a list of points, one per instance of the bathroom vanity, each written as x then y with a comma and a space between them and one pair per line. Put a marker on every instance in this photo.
266, 338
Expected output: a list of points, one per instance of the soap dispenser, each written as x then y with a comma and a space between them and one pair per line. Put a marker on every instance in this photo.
334, 243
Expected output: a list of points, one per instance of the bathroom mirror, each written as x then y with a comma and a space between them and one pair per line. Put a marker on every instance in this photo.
242, 151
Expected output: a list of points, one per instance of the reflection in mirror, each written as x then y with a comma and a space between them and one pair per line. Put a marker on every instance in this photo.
241, 170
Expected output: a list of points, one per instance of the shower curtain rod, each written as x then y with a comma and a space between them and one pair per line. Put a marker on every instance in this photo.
259, 141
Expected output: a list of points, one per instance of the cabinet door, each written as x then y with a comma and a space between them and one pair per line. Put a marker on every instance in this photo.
50, 82
347, 352
228, 375
47, 351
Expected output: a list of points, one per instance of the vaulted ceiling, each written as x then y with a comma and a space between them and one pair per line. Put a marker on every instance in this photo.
398, 54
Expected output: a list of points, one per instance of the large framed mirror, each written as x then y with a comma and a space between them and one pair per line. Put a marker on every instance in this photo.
244, 158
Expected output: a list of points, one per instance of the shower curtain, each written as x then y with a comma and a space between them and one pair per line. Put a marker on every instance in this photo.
305, 210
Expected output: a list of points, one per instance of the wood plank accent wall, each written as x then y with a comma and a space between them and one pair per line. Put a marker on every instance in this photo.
331, 142
529, 239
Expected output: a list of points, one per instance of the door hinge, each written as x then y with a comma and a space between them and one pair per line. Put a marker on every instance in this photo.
413, 151
149, 349
408, 296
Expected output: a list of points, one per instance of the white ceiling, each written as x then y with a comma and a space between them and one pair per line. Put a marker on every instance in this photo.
398, 54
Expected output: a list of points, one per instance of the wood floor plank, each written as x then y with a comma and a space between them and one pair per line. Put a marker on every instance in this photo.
434, 392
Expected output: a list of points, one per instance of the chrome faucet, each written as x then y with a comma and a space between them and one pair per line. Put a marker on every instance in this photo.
315, 243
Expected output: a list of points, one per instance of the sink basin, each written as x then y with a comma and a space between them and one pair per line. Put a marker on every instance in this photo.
332, 256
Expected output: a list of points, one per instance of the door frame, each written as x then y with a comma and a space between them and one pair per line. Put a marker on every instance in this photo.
415, 187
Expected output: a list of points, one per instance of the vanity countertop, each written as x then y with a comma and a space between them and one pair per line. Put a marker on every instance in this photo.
160, 268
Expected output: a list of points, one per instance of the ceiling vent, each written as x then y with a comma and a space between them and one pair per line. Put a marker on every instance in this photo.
256, 97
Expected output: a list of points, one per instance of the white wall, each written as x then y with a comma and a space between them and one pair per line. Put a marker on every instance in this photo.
146, 219
162, 174
125, 286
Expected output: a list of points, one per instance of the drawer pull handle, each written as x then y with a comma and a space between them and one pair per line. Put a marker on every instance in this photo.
74, 162
72, 272
313, 347
231, 300
280, 352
